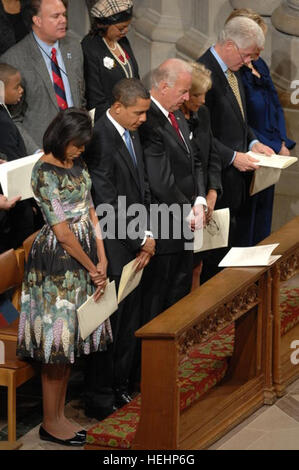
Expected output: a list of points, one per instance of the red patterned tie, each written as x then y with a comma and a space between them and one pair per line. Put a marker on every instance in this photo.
58, 83
175, 125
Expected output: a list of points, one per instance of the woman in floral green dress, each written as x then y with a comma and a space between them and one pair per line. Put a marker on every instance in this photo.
66, 264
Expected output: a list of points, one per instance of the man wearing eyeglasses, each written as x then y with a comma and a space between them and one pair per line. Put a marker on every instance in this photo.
237, 42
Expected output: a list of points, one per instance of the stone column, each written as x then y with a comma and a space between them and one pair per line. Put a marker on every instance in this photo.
157, 26
205, 21
78, 17
264, 8
285, 74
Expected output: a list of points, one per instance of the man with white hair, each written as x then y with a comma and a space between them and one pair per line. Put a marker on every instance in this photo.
237, 42
176, 182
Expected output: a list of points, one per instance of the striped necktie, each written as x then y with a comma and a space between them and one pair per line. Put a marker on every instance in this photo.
57, 80
233, 81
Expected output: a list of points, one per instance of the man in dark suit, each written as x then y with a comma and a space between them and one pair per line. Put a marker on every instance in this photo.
115, 163
176, 182
50, 61
240, 38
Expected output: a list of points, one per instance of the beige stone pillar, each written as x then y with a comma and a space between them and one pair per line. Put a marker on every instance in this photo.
205, 21
264, 7
78, 17
285, 73
157, 26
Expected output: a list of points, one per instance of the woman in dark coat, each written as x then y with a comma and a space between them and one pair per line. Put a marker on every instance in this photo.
12, 23
108, 56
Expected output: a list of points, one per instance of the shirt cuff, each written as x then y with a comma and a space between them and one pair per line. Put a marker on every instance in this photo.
255, 141
198, 201
233, 159
147, 233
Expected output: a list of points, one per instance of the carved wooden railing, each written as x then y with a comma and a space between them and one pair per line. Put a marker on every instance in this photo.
242, 296
286, 268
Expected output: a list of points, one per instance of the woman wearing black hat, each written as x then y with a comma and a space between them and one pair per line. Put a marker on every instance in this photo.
108, 56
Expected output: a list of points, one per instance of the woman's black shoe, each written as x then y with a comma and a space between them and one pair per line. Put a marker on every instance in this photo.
81, 433
73, 441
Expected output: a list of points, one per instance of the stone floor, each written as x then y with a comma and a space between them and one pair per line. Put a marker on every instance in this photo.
273, 427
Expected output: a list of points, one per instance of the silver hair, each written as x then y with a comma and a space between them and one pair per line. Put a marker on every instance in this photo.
169, 71
244, 32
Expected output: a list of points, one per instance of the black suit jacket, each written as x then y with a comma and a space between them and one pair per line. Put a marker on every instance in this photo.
174, 170
113, 175
207, 145
11, 143
230, 129
17, 223
99, 79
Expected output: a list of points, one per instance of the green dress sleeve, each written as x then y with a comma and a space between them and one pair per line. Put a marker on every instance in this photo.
45, 185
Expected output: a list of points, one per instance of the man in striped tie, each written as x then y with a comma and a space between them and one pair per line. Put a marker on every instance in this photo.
51, 64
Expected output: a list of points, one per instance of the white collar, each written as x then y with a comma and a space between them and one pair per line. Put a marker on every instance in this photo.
120, 129
163, 110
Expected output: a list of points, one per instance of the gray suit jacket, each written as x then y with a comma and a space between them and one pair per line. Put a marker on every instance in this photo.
39, 106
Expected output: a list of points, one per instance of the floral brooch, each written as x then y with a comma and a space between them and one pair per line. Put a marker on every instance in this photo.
108, 63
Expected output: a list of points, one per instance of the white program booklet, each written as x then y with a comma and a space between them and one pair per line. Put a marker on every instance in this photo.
215, 233
91, 314
250, 256
273, 161
264, 178
15, 176
130, 279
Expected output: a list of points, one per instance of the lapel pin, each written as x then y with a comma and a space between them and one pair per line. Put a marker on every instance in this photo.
69, 55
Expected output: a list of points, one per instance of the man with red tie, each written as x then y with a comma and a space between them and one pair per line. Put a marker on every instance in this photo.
51, 64
176, 182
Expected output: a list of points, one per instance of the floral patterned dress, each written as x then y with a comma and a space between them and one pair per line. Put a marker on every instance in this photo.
55, 284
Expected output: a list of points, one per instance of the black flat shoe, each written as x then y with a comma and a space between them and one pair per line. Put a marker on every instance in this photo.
73, 441
81, 433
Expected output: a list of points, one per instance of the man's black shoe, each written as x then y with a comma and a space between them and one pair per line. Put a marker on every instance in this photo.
122, 398
99, 413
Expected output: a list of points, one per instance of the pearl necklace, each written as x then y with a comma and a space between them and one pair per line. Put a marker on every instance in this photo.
129, 74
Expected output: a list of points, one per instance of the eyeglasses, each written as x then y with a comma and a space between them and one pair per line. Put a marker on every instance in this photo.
123, 29
244, 56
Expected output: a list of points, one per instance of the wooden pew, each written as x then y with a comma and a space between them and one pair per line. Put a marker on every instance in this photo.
285, 274
239, 296
13, 372
242, 296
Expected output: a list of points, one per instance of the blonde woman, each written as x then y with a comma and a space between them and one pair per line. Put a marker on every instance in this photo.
198, 118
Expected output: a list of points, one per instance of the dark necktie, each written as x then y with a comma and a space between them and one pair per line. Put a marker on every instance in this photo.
129, 145
57, 80
175, 125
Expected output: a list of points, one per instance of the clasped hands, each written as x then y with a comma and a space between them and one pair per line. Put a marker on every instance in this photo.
99, 278
244, 162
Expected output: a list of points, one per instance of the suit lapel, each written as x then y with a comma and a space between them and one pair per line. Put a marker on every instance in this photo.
169, 128
71, 77
139, 158
122, 150
225, 86
40, 67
